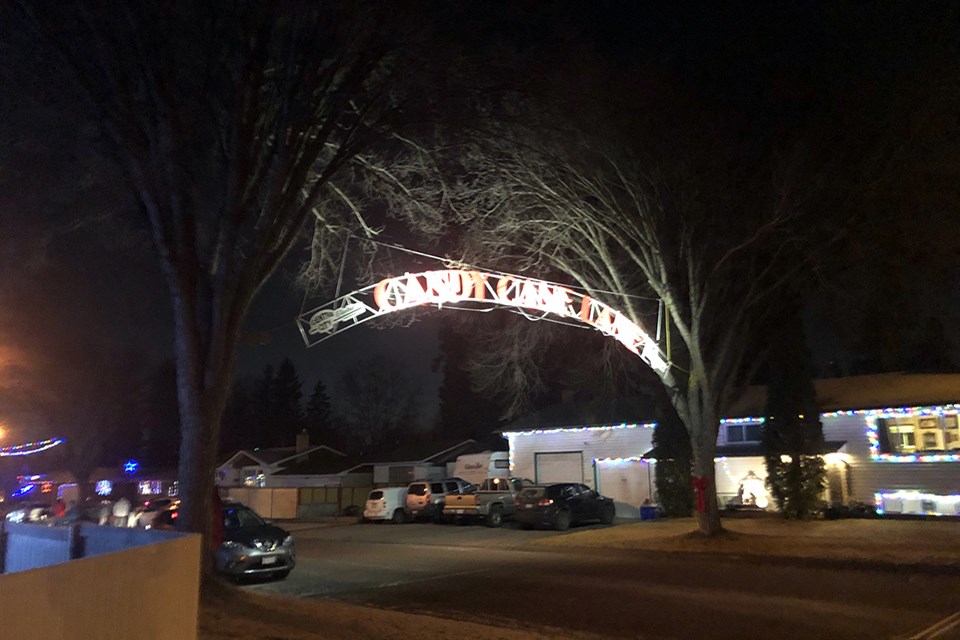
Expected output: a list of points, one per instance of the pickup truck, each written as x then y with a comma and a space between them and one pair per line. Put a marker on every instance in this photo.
495, 499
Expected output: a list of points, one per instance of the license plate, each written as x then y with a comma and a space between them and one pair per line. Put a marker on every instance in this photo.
528, 506
269, 560
458, 510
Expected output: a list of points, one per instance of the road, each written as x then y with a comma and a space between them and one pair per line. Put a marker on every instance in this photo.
497, 576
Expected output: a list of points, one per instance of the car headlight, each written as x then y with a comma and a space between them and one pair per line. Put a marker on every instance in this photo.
288, 541
231, 545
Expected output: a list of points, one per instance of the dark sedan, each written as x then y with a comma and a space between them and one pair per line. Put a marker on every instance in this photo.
561, 505
251, 547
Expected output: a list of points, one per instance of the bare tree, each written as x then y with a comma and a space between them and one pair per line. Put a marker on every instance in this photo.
709, 237
379, 403
228, 121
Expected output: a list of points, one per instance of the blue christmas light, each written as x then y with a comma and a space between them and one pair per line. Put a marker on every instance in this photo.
131, 466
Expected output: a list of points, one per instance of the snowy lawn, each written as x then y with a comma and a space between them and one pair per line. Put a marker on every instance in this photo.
887, 541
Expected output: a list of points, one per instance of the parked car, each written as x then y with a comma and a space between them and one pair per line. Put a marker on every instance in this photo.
427, 498
251, 547
493, 501
30, 513
144, 514
561, 505
387, 503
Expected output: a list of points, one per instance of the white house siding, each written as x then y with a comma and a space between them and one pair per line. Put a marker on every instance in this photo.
629, 483
869, 477
593, 443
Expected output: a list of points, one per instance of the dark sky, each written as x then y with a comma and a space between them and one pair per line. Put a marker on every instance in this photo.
71, 287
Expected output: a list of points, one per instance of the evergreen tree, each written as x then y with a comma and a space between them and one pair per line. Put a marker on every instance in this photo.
287, 409
318, 417
674, 460
239, 429
792, 433
262, 408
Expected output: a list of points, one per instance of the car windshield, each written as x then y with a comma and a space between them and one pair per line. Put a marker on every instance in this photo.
418, 489
436, 487
239, 518
533, 493
376, 495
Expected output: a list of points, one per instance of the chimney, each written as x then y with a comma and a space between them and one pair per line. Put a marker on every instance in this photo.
303, 441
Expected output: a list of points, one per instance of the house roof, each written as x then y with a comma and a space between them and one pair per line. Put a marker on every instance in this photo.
593, 413
274, 456
318, 461
429, 451
879, 391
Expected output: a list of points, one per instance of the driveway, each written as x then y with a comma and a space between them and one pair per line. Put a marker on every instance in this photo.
500, 576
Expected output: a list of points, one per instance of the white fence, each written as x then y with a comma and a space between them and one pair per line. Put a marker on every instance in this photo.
30, 546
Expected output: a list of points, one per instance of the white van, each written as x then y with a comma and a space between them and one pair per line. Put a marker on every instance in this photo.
386, 503
477, 467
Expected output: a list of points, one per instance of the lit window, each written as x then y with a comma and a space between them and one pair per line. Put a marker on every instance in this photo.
923, 433
150, 487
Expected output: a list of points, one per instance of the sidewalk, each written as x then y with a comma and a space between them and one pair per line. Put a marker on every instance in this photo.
932, 544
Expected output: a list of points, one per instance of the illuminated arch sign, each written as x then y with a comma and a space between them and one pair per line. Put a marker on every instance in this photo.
462, 287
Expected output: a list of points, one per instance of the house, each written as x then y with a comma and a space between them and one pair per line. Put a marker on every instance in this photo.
320, 481
891, 440
258, 467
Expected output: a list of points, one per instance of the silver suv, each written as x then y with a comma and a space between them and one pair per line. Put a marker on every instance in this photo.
425, 498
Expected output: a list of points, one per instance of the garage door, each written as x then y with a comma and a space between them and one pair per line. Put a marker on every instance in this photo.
628, 483
559, 467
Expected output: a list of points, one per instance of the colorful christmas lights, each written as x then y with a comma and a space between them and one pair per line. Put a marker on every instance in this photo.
614, 427
727, 421
874, 438
29, 448
914, 495
623, 460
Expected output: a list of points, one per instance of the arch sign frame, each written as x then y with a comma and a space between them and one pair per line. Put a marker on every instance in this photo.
462, 287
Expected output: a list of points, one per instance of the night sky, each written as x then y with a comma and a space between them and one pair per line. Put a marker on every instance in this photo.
78, 278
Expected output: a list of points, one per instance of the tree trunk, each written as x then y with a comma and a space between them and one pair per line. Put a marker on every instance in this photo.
702, 424
201, 385
704, 466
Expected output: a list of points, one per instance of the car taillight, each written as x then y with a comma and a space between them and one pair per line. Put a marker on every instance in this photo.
174, 515
545, 502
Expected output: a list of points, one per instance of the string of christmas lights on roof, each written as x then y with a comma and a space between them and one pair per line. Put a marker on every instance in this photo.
29, 448
727, 421
614, 427
623, 460
940, 410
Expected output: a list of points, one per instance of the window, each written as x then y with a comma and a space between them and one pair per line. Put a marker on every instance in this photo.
451, 487
501, 464
436, 487
150, 487
743, 433
924, 433
419, 489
